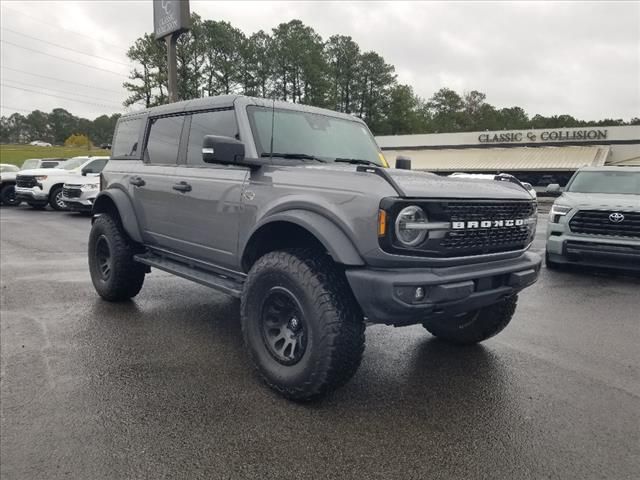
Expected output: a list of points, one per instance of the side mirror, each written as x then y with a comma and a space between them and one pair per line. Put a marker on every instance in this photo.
85, 171
217, 149
403, 163
553, 188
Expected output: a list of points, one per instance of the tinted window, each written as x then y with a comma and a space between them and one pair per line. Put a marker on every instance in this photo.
49, 164
222, 122
126, 138
164, 140
96, 166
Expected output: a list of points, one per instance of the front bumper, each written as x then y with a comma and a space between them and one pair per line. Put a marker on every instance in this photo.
32, 195
83, 203
566, 247
387, 295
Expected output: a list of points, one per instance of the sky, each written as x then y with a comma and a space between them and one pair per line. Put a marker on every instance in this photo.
577, 58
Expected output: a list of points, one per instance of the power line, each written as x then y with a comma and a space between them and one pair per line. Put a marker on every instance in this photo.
63, 58
58, 91
15, 108
58, 79
66, 48
61, 28
59, 96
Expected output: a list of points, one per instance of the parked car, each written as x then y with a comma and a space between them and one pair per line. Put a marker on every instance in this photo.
501, 177
43, 186
38, 143
33, 163
105, 146
596, 220
7, 184
303, 221
80, 194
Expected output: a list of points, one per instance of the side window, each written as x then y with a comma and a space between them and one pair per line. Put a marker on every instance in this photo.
164, 140
126, 138
221, 122
96, 166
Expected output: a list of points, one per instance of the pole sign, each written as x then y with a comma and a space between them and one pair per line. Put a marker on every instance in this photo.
170, 16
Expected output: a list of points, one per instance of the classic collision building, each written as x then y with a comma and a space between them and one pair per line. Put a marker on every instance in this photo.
539, 156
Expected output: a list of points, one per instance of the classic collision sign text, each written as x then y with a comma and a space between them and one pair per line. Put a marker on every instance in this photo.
545, 136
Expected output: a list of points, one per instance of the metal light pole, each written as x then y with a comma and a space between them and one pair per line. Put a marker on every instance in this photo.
170, 19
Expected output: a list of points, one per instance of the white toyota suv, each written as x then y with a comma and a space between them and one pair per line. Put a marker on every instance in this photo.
44, 186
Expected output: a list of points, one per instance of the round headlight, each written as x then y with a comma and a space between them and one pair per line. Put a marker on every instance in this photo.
411, 226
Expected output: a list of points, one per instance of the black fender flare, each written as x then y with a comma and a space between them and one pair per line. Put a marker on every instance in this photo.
330, 235
115, 198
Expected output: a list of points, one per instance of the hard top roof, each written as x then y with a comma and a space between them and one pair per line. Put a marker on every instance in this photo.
227, 101
611, 168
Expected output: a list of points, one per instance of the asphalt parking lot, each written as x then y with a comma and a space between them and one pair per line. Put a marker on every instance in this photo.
160, 387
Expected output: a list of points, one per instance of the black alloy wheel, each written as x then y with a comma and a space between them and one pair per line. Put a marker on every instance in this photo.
103, 257
283, 326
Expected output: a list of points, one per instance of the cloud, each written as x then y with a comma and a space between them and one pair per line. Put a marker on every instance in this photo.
581, 59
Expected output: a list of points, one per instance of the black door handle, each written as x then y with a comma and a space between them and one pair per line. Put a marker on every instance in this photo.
137, 181
182, 187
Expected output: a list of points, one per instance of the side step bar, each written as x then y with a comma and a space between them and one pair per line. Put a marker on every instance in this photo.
219, 282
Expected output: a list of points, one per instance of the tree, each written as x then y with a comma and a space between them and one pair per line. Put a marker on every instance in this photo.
150, 54
223, 54
376, 78
62, 124
446, 106
77, 140
257, 66
343, 58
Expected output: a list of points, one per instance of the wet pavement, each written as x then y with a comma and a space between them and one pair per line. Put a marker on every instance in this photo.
160, 387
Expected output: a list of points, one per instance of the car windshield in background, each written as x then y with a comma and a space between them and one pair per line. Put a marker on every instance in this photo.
606, 182
8, 168
32, 163
310, 136
72, 163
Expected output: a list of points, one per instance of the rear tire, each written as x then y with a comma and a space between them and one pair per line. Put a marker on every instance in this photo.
302, 327
55, 199
8, 196
116, 276
477, 326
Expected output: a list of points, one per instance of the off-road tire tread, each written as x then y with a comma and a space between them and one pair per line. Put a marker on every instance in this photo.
343, 338
129, 274
490, 321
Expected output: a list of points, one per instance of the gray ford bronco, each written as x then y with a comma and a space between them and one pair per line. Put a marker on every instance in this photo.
294, 210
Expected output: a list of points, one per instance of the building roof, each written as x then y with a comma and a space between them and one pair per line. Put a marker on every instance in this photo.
503, 159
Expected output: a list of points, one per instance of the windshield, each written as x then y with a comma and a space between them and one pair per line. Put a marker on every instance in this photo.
73, 163
606, 182
312, 135
31, 163
8, 168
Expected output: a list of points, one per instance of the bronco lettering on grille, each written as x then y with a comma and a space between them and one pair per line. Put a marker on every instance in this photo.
487, 224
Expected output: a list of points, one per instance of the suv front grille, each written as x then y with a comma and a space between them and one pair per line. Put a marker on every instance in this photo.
26, 181
487, 240
71, 191
598, 222
466, 228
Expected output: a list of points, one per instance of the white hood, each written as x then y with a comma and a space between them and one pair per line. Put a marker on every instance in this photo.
597, 201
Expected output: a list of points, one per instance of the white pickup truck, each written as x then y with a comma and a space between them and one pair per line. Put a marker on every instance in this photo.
43, 186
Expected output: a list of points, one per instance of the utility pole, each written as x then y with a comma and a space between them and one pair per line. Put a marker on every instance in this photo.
171, 18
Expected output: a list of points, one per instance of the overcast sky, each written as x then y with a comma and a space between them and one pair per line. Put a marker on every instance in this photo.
551, 58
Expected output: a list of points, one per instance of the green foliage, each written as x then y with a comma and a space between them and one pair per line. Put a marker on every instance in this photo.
17, 154
55, 127
293, 63
77, 140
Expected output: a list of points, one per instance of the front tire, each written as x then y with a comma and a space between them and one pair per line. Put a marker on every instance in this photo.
8, 196
116, 276
476, 326
301, 325
55, 199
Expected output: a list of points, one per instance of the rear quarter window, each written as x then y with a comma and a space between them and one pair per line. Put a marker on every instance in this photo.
125, 142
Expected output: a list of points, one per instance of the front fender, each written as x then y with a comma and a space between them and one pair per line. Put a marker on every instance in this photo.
114, 198
337, 243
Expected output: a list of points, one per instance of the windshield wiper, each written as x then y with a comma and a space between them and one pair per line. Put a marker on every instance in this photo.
355, 161
297, 156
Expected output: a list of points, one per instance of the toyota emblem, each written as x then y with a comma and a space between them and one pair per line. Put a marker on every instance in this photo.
616, 217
